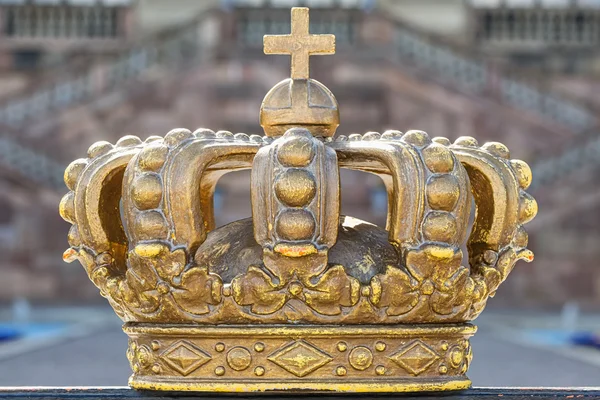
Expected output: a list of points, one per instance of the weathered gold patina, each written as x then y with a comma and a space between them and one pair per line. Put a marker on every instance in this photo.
297, 297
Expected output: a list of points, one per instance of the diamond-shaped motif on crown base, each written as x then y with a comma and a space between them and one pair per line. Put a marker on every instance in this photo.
184, 357
415, 357
300, 358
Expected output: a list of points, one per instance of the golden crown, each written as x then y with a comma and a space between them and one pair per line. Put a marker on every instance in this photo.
297, 297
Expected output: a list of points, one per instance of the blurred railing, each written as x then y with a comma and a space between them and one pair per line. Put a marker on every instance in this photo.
39, 169
449, 63
182, 45
442, 61
189, 44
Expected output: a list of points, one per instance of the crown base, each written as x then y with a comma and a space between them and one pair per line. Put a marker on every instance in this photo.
348, 386
385, 358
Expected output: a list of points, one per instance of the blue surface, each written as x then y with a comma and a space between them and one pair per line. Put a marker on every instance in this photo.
21, 330
562, 338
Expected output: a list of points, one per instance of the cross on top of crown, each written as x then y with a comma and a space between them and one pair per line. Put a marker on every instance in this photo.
300, 44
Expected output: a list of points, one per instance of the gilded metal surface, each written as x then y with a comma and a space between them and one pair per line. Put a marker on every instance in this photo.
298, 297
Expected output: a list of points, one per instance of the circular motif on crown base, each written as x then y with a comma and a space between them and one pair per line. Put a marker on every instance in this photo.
295, 225
295, 187
360, 358
239, 358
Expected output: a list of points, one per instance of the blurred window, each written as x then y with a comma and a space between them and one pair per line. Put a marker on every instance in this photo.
26, 59
541, 26
60, 21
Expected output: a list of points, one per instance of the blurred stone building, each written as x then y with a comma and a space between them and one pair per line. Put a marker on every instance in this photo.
523, 72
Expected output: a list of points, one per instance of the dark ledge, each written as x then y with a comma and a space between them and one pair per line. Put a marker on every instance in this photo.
126, 393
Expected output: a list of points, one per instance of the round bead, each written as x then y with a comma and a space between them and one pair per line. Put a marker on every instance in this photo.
220, 347
441, 140
391, 134
67, 207
296, 225
341, 371
154, 138
242, 137
438, 158
443, 192
224, 135
296, 152
151, 225
528, 208
497, 149
380, 346
354, 137
99, 148
466, 141
204, 133
104, 258
129, 141
259, 347
153, 157
73, 237
342, 138
296, 187
219, 371
256, 139
490, 257
73, 172
371, 136
259, 371
380, 370
416, 138
342, 346
443, 369
176, 136
439, 226
146, 191
523, 173
521, 237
